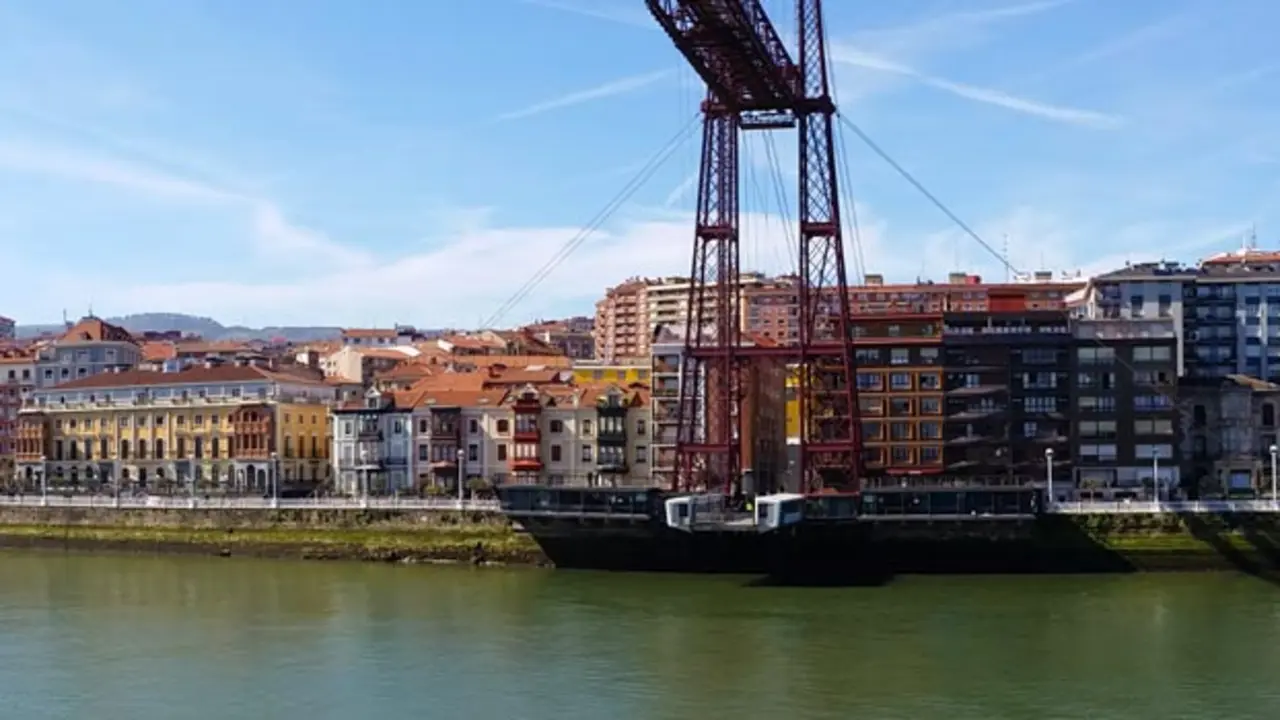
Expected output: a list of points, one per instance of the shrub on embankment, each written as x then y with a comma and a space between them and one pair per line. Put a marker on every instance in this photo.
304, 533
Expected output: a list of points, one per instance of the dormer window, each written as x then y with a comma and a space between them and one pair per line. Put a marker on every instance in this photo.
372, 404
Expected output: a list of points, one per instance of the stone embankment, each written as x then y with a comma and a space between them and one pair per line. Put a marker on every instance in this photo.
371, 535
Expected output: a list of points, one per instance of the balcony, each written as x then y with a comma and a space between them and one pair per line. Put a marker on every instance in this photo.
526, 464
526, 433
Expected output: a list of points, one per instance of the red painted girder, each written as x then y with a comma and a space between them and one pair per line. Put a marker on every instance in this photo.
735, 49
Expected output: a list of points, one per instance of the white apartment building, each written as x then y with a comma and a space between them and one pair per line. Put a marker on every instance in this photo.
371, 441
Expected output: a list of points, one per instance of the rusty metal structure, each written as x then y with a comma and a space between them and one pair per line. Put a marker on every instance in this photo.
754, 84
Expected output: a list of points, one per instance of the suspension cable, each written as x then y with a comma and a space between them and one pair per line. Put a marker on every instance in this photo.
1168, 391
928, 195
642, 176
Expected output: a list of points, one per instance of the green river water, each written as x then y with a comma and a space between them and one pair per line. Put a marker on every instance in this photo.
174, 638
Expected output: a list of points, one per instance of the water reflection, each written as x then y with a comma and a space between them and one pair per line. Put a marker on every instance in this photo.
211, 638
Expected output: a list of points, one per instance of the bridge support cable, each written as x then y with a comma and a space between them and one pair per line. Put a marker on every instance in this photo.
642, 176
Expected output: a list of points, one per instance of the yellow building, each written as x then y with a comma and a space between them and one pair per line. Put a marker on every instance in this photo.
203, 428
624, 374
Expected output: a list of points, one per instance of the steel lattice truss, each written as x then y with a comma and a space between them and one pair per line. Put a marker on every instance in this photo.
754, 84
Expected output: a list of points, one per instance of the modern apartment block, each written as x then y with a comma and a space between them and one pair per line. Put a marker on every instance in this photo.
901, 394
1226, 310
1126, 414
1008, 395
621, 327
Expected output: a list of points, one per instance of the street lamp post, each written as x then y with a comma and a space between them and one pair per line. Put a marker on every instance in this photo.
462, 459
275, 480
44, 483
1155, 477
363, 475
1275, 454
1048, 477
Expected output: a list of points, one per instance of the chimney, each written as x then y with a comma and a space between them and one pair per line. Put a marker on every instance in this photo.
875, 280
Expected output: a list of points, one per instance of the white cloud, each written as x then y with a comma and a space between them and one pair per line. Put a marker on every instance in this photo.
612, 11
1073, 116
274, 237
609, 89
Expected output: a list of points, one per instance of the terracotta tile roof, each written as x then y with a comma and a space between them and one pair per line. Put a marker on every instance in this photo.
550, 361
92, 329
339, 380
158, 351
496, 377
427, 397
407, 370
368, 333
15, 357
189, 376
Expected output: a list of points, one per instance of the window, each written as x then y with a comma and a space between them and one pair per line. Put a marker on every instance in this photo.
424, 452
900, 431
502, 451
930, 431
930, 381
1098, 453
870, 381
557, 426
473, 426
159, 449
182, 447
1148, 452
555, 453
199, 447
424, 426
642, 454
586, 453
1035, 404
1094, 403
930, 406
1095, 355
899, 455
1097, 428
929, 356
900, 381
504, 427
1152, 353
586, 428
899, 356
899, 406
1268, 415
473, 452
347, 428
871, 406
641, 427
930, 455
397, 427
124, 449
1147, 403
1152, 427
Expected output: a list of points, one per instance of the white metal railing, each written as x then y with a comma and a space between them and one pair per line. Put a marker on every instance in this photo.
1148, 507
198, 502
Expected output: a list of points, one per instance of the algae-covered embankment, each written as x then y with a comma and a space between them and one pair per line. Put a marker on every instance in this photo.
375, 535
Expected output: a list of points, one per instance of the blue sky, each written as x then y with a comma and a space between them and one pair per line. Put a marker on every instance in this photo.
327, 161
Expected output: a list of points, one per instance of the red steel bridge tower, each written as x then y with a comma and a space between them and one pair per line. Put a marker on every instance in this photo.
754, 84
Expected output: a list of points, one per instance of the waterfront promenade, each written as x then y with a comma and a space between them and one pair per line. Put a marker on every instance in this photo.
384, 503
158, 502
